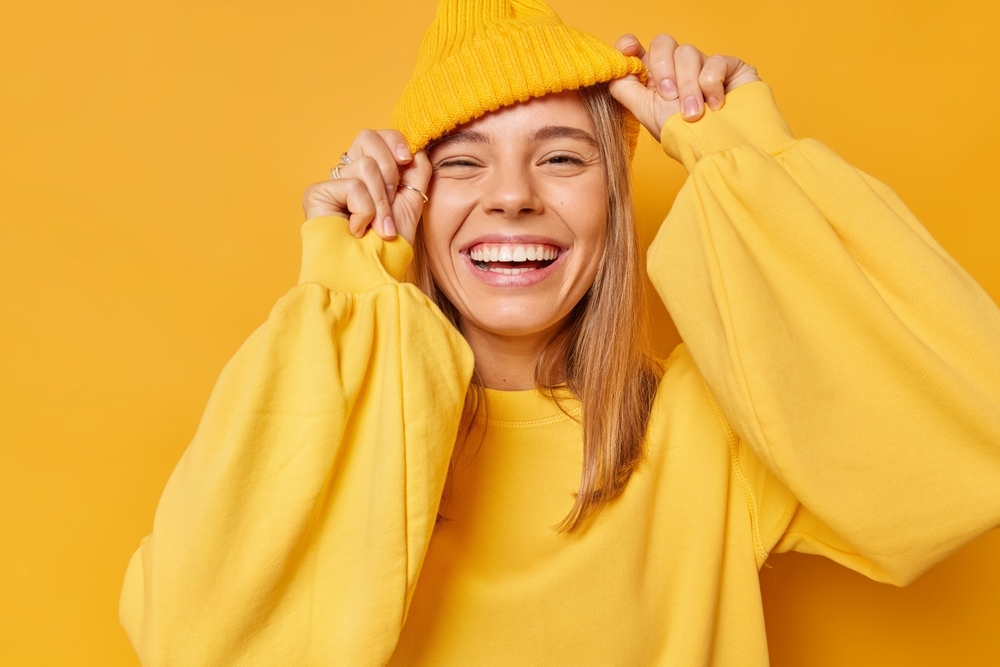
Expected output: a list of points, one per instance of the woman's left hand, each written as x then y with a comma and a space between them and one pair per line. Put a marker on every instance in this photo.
680, 78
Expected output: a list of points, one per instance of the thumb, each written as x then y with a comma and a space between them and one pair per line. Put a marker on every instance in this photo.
645, 104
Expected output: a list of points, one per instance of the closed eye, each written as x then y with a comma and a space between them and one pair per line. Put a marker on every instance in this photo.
456, 162
564, 159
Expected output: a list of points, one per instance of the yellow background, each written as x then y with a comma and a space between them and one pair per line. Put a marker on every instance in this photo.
152, 157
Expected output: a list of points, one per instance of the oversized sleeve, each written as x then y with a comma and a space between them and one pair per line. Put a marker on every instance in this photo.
857, 362
294, 527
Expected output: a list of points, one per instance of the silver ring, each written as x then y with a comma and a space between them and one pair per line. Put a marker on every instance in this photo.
344, 159
410, 187
335, 171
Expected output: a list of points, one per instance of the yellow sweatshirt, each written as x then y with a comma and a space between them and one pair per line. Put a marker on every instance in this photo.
838, 393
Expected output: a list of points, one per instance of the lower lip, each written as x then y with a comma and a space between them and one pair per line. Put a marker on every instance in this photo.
526, 279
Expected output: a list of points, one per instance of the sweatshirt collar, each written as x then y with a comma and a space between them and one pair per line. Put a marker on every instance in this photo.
528, 406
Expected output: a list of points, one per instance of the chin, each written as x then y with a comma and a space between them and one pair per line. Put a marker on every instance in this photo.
512, 322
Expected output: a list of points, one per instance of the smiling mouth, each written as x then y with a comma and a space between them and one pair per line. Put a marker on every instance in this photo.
512, 259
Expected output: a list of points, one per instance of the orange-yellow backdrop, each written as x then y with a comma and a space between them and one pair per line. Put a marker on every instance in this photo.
153, 156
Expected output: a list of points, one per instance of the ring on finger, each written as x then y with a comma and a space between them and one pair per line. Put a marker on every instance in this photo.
344, 159
410, 187
335, 171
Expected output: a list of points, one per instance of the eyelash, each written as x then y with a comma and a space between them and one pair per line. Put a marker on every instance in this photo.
564, 159
457, 162
555, 159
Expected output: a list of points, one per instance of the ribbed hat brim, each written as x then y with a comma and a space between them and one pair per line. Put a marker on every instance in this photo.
501, 68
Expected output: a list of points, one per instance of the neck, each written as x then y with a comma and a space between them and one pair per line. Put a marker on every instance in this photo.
507, 362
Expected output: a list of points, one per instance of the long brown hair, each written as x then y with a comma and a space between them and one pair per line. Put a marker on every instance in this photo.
601, 354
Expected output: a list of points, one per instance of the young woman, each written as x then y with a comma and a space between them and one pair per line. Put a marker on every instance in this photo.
482, 466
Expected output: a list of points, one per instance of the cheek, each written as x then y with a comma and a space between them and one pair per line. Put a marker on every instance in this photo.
438, 230
595, 249
591, 227
450, 205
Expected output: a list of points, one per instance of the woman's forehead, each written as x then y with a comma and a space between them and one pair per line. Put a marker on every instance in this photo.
552, 116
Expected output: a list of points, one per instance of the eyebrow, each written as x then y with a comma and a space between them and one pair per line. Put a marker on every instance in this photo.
564, 132
465, 137
545, 133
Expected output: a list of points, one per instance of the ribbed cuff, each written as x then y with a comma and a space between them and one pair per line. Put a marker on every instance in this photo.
332, 257
749, 118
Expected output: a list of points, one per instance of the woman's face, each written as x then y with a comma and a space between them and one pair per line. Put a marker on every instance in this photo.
516, 224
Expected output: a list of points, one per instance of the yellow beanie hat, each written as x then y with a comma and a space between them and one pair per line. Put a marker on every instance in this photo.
481, 55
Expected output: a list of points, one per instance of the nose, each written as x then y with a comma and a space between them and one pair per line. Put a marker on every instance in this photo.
512, 193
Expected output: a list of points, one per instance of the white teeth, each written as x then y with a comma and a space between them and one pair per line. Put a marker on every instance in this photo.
509, 272
512, 253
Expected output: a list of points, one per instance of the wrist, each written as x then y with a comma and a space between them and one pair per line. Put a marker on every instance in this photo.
334, 258
749, 117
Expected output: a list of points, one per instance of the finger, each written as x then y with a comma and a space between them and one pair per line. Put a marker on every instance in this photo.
739, 73
395, 140
401, 155
361, 206
639, 99
629, 45
688, 62
409, 205
368, 170
713, 81
372, 144
419, 173
662, 66
346, 198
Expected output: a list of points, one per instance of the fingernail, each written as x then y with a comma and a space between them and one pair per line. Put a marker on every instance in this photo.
388, 226
626, 44
403, 153
714, 103
690, 106
668, 88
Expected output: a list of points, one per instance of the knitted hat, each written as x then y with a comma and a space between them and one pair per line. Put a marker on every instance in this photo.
481, 55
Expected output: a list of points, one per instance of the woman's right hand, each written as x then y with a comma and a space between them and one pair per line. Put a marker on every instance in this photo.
367, 193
